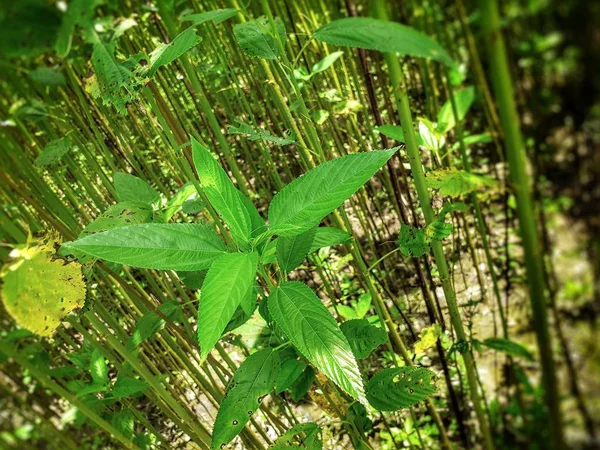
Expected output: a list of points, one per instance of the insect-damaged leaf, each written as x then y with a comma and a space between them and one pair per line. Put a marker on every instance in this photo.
38, 292
254, 379
255, 134
174, 246
228, 281
453, 182
256, 39
302, 435
383, 36
304, 202
394, 389
362, 336
314, 332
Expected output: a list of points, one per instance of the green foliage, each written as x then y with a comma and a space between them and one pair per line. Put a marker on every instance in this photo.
47, 76
394, 389
328, 237
292, 250
256, 38
228, 281
254, 134
167, 53
313, 331
383, 36
98, 368
395, 132
53, 152
126, 386
151, 323
133, 189
217, 16
119, 215
291, 370
302, 435
510, 347
463, 99
181, 246
304, 202
222, 194
318, 67
454, 183
362, 336
39, 291
254, 379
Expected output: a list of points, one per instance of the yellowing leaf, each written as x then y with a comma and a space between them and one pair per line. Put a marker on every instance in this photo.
38, 292
427, 338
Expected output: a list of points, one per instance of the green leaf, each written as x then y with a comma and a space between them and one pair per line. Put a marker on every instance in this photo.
313, 331
463, 99
151, 323
48, 76
124, 422
394, 389
347, 312
412, 241
363, 304
126, 386
254, 379
383, 36
133, 189
256, 40
167, 53
325, 63
453, 182
430, 137
178, 201
38, 290
53, 152
227, 283
174, 246
257, 223
221, 193
217, 16
300, 387
301, 435
508, 346
193, 280
304, 202
395, 132
362, 336
328, 237
119, 215
291, 370
98, 368
256, 134
292, 250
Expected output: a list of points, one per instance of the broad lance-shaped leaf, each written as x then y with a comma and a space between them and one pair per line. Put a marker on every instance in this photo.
304, 202
453, 182
508, 346
314, 332
463, 99
256, 40
292, 250
221, 193
394, 389
256, 134
53, 152
174, 246
217, 16
133, 189
227, 283
167, 53
362, 336
254, 379
383, 36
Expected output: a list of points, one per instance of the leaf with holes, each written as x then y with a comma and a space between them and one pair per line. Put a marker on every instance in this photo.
314, 332
394, 389
119, 215
53, 152
173, 246
301, 435
256, 39
228, 281
254, 379
362, 336
306, 201
454, 183
383, 36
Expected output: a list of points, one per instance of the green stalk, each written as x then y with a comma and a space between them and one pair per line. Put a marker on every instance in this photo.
517, 162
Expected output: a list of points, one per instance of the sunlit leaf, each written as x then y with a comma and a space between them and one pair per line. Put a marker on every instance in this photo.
394, 389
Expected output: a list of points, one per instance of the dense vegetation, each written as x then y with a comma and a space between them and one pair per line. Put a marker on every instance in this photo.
310, 224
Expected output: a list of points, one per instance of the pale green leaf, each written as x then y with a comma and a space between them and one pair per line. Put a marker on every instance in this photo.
328, 237
177, 202
394, 389
98, 368
217, 16
383, 36
395, 132
314, 332
256, 134
221, 193
167, 53
304, 202
453, 182
228, 281
325, 63
363, 337
256, 39
301, 435
463, 99
133, 189
254, 379
181, 246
